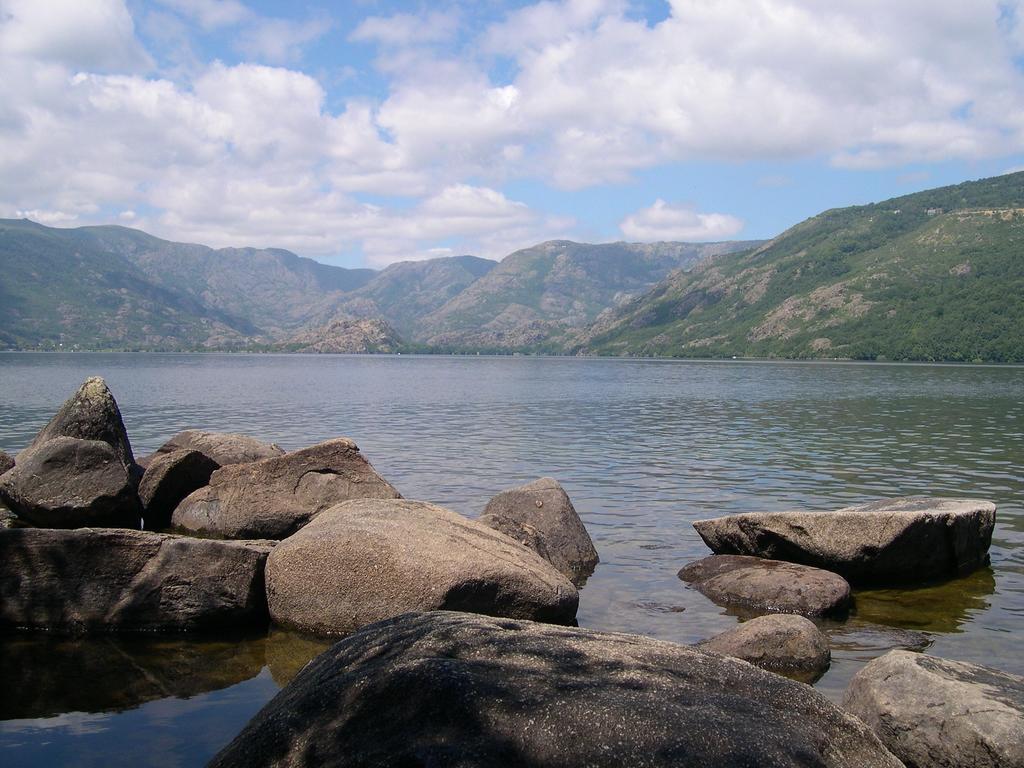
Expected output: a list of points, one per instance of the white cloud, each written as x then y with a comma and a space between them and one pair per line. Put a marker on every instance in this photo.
211, 14
664, 221
280, 40
404, 29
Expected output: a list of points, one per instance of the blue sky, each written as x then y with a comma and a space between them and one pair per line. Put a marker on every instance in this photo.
364, 133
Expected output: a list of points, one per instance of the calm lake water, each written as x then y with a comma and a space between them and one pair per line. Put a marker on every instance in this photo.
642, 447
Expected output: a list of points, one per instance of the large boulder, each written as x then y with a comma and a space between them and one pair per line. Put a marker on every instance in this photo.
66, 482
275, 497
222, 447
541, 516
784, 643
6, 462
168, 479
453, 689
936, 712
892, 541
119, 580
367, 560
761, 586
89, 414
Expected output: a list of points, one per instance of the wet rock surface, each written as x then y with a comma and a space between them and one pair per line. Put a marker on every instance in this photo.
783, 643
893, 541
763, 585
459, 690
367, 560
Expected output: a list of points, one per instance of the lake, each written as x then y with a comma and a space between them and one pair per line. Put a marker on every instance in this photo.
643, 447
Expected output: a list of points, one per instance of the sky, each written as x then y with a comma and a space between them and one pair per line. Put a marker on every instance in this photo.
362, 133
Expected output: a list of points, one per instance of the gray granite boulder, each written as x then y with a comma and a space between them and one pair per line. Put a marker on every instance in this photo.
104, 580
761, 586
785, 643
168, 479
541, 516
452, 689
6, 462
222, 447
892, 541
371, 559
936, 712
275, 497
66, 482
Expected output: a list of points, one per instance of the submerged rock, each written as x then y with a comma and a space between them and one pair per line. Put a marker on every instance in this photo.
936, 712
784, 643
6, 462
66, 482
768, 585
367, 560
909, 539
541, 516
454, 689
168, 479
275, 497
222, 447
107, 580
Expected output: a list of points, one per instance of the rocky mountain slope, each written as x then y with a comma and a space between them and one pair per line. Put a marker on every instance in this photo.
937, 275
350, 337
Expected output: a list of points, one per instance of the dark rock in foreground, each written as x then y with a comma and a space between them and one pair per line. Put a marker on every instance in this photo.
66, 482
168, 479
784, 643
451, 689
222, 447
274, 498
768, 585
936, 712
6, 462
540, 516
371, 559
892, 541
119, 580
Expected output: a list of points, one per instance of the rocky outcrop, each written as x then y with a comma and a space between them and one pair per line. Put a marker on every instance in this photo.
885, 542
168, 479
936, 712
6, 462
760, 585
453, 689
346, 336
368, 560
784, 643
107, 580
275, 497
66, 482
541, 516
222, 447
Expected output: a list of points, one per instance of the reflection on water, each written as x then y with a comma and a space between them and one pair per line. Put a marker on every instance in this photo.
642, 447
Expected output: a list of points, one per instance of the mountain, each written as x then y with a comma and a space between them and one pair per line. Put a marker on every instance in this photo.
542, 290
346, 337
936, 275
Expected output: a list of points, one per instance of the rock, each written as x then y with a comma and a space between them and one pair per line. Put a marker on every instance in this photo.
66, 482
168, 479
90, 414
6, 462
768, 585
223, 447
275, 497
885, 542
7, 518
784, 643
453, 689
119, 580
936, 712
372, 559
540, 516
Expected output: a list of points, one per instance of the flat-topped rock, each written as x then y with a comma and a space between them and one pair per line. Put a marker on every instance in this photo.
273, 498
937, 712
541, 516
66, 482
452, 689
6, 462
760, 585
371, 559
785, 643
105, 580
222, 447
891, 541
168, 479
